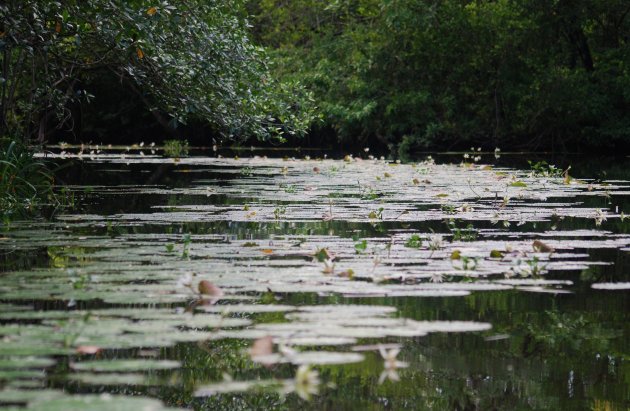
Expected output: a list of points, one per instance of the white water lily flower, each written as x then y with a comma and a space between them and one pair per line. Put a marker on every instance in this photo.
286, 351
185, 281
391, 364
437, 277
436, 242
600, 217
306, 382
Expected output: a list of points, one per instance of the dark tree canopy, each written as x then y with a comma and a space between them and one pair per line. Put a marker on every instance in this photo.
183, 60
440, 74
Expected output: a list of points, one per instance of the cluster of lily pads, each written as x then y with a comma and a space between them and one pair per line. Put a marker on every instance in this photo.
144, 286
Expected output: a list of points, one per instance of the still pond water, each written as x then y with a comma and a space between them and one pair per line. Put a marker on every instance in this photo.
450, 283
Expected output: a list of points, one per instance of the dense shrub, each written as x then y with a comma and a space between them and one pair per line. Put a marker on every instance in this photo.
426, 74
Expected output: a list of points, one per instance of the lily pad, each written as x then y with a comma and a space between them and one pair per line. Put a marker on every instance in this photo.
97, 403
611, 286
311, 357
125, 365
25, 362
111, 379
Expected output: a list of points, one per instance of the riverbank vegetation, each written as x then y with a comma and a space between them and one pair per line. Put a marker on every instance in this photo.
183, 62
25, 182
450, 74
431, 75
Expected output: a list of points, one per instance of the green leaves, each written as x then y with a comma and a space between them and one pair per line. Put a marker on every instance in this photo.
415, 241
191, 60
377, 69
361, 246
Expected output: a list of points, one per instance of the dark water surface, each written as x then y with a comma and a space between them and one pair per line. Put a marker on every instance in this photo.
142, 224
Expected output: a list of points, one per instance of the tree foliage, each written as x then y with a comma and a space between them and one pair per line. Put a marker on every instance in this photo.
422, 73
187, 59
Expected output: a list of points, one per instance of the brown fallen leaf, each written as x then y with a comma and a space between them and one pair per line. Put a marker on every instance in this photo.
205, 287
329, 268
349, 273
88, 349
267, 251
541, 247
262, 346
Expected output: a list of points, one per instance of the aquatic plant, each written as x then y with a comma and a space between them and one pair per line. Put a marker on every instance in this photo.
279, 211
436, 242
544, 169
391, 364
360, 246
26, 183
467, 233
306, 382
415, 241
297, 294
175, 148
376, 214
186, 242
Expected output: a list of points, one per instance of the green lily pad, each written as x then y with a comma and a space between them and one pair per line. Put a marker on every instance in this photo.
102, 402
311, 357
111, 379
125, 365
25, 362
24, 396
227, 387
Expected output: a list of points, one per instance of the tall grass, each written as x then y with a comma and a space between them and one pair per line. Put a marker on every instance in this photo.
25, 181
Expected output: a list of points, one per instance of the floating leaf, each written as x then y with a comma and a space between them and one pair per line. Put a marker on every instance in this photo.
611, 286
496, 254
124, 365
88, 349
262, 346
229, 386
205, 287
311, 357
111, 379
541, 247
323, 254
25, 362
349, 273
100, 402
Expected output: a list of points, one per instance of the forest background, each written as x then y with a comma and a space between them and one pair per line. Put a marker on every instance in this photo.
395, 75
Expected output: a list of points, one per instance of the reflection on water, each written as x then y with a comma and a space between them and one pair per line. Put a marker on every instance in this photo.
333, 260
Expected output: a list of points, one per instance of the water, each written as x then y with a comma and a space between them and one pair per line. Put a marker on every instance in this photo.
433, 263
